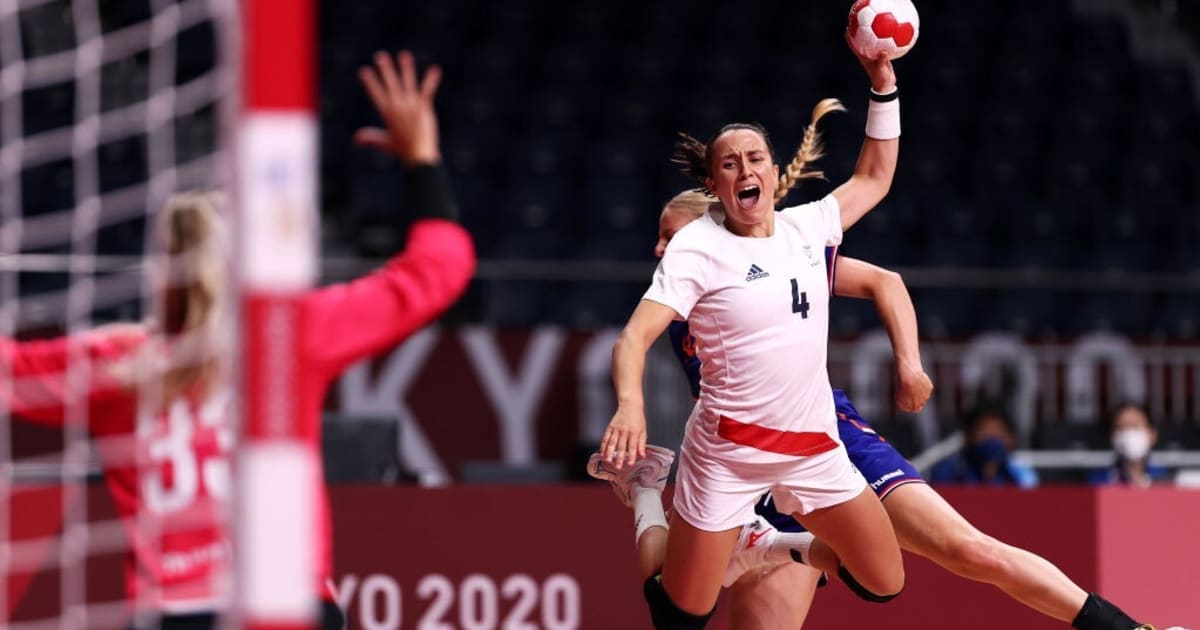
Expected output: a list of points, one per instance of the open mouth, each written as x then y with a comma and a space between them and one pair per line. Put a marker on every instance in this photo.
748, 197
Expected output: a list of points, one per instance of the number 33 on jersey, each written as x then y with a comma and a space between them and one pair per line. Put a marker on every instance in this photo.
185, 454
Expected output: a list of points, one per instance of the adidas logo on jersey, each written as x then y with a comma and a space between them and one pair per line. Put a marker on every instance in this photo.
755, 273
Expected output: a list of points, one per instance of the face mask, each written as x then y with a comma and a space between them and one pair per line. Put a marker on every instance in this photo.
991, 450
1132, 443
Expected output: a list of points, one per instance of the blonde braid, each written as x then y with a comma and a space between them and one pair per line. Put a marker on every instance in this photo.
810, 150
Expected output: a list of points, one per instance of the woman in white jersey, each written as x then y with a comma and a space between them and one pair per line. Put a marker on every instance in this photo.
769, 589
754, 290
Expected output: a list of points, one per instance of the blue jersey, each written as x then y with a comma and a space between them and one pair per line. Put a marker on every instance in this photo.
684, 345
883, 466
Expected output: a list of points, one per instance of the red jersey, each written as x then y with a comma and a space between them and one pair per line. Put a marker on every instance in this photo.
345, 323
167, 470
170, 478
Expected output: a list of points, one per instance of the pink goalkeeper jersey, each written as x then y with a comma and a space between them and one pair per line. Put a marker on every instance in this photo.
174, 507
167, 472
759, 311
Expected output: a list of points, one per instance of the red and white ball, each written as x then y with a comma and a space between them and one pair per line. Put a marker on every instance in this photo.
883, 27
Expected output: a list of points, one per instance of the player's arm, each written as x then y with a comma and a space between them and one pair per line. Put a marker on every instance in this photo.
876, 165
360, 318
37, 371
625, 439
886, 289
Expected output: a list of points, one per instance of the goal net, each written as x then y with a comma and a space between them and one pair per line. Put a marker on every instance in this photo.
127, 495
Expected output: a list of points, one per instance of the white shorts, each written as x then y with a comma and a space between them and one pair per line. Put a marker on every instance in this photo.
715, 492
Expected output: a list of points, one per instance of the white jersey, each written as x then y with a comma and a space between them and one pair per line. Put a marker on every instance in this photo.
759, 311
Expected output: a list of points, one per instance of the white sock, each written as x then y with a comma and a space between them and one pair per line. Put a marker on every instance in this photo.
786, 542
647, 510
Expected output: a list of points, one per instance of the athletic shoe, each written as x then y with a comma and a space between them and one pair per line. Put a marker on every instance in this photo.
750, 554
650, 471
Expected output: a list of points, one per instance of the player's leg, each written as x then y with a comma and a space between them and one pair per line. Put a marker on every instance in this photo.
640, 488
761, 545
651, 549
829, 497
695, 564
713, 499
927, 525
775, 598
857, 538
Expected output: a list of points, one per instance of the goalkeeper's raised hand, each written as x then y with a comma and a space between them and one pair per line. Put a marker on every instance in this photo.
405, 103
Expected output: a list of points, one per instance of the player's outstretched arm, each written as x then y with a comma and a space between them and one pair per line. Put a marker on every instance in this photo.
624, 440
859, 279
876, 166
365, 316
38, 370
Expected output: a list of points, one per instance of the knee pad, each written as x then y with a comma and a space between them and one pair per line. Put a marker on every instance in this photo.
861, 591
665, 614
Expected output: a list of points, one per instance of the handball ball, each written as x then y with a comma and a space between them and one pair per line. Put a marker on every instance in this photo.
883, 27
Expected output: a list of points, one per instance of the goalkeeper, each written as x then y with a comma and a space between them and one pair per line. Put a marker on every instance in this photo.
156, 395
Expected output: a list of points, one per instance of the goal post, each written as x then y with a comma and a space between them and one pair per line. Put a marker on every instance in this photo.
107, 109
278, 471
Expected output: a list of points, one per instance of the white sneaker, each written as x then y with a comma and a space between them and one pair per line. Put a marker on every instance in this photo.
750, 554
761, 547
650, 471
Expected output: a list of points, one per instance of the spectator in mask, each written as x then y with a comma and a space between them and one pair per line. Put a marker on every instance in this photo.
1133, 435
988, 439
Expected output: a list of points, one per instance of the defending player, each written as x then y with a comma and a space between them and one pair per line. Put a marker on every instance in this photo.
157, 395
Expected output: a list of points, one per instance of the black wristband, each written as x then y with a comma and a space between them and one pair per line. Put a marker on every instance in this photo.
885, 98
427, 193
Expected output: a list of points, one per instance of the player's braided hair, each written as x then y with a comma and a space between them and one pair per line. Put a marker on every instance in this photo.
693, 156
810, 150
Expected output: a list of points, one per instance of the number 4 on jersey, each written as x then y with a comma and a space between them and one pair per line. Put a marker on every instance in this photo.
799, 300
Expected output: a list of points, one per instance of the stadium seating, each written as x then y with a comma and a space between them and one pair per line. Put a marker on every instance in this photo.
1033, 138
1029, 159
360, 450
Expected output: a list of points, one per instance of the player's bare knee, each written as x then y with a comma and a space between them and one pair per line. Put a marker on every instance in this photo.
976, 555
893, 582
665, 614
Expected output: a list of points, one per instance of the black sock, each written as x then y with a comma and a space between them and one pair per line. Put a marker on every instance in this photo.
1100, 614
